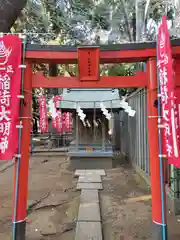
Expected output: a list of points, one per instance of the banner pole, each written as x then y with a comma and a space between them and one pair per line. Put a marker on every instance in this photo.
163, 207
18, 157
22, 162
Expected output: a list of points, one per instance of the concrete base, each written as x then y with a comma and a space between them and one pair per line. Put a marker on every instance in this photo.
157, 232
91, 162
20, 230
173, 203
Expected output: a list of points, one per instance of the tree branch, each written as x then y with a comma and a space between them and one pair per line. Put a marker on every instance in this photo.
9, 12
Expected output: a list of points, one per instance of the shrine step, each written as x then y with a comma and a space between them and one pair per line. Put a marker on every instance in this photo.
80, 172
97, 186
91, 162
101, 172
93, 178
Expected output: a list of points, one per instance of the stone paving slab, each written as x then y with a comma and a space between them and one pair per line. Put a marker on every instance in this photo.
94, 178
101, 172
88, 231
89, 186
89, 196
79, 172
89, 212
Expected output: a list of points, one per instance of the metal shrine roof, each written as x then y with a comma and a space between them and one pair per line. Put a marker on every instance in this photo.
104, 47
90, 98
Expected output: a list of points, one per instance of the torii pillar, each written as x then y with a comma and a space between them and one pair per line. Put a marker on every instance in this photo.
158, 226
21, 193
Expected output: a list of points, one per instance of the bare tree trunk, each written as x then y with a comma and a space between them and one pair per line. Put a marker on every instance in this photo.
147, 6
134, 26
126, 18
9, 12
137, 21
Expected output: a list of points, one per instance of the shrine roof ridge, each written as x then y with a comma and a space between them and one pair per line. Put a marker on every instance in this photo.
111, 47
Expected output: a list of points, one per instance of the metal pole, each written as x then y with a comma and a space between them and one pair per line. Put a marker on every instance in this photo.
77, 128
103, 133
164, 226
19, 222
94, 119
112, 125
155, 168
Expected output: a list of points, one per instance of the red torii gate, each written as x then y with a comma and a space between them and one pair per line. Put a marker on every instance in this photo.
89, 59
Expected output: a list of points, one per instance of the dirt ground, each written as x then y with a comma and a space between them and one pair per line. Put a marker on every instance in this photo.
53, 203
126, 207
53, 200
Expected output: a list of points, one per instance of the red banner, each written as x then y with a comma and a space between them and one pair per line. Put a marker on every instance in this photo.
57, 121
43, 114
177, 100
54, 122
167, 86
54, 115
56, 101
64, 122
10, 84
68, 121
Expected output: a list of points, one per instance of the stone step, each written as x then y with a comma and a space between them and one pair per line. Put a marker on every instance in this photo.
89, 196
79, 172
89, 212
89, 186
100, 172
93, 178
88, 231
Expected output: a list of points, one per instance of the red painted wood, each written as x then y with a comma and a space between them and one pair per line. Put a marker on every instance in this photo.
25, 145
52, 57
153, 143
177, 66
88, 64
40, 81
